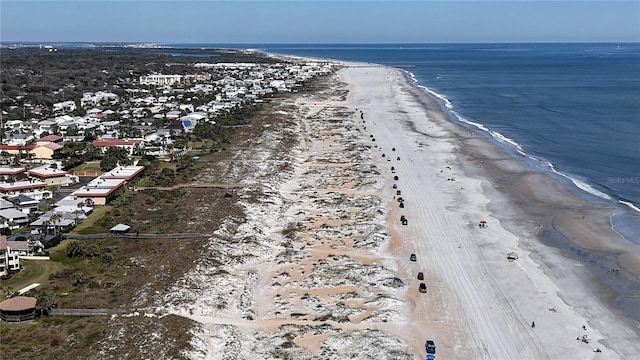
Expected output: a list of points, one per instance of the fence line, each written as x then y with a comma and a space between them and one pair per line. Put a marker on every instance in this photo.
84, 312
71, 236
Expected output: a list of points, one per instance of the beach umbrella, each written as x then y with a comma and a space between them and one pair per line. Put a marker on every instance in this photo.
482, 222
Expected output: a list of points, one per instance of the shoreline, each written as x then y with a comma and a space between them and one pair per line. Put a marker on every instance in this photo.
624, 209
572, 217
523, 199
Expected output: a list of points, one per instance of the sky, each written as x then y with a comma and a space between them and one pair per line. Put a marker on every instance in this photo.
308, 22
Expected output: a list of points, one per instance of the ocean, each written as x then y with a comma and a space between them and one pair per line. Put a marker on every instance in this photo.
569, 110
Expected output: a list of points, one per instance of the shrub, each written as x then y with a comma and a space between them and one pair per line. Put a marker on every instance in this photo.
79, 249
106, 258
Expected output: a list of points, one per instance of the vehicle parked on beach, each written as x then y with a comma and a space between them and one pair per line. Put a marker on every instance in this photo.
412, 257
421, 276
430, 346
423, 288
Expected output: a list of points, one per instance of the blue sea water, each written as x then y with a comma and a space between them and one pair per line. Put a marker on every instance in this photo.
571, 110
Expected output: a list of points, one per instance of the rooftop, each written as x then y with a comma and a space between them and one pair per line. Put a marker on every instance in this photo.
18, 303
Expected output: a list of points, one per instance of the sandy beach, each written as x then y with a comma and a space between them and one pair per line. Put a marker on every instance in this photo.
331, 275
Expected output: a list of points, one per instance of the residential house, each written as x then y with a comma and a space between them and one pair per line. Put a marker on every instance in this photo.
16, 149
26, 204
46, 151
65, 106
13, 219
103, 189
50, 221
46, 126
29, 247
73, 205
9, 259
13, 125
157, 79
99, 98
6, 204
129, 144
190, 121
50, 176
12, 173
31, 188
19, 139
100, 191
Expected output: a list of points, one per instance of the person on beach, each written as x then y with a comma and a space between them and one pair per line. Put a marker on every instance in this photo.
533, 324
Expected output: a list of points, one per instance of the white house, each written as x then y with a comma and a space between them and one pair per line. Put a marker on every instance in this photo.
190, 121
160, 79
9, 259
13, 219
65, 106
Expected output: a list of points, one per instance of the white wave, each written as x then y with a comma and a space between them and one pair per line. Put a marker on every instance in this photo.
580, 184
509, 141
466, 121
446, 101
630, 205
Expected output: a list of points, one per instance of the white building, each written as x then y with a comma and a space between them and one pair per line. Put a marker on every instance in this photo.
9, 259
65, 106
160, 79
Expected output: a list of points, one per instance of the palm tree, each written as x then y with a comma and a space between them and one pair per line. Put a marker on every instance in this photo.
55, 219
79, 211
45, 226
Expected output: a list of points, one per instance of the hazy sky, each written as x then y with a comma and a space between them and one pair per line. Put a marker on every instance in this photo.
210, 21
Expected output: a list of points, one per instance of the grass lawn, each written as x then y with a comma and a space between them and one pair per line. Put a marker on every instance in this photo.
86, 226
33, 271
93, 166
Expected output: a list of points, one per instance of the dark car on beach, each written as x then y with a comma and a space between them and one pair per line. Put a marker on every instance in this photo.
412, 257
420, 276
423, 287
430, 346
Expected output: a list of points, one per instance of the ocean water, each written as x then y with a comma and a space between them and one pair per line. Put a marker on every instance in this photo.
570, 110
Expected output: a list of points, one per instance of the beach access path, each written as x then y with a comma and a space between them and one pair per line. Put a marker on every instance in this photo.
479, 304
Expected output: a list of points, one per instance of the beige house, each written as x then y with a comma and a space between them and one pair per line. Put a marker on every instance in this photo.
46, 151
51, 176
47, 146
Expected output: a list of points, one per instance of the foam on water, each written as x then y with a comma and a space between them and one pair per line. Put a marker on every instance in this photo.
580, 184
630, 205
